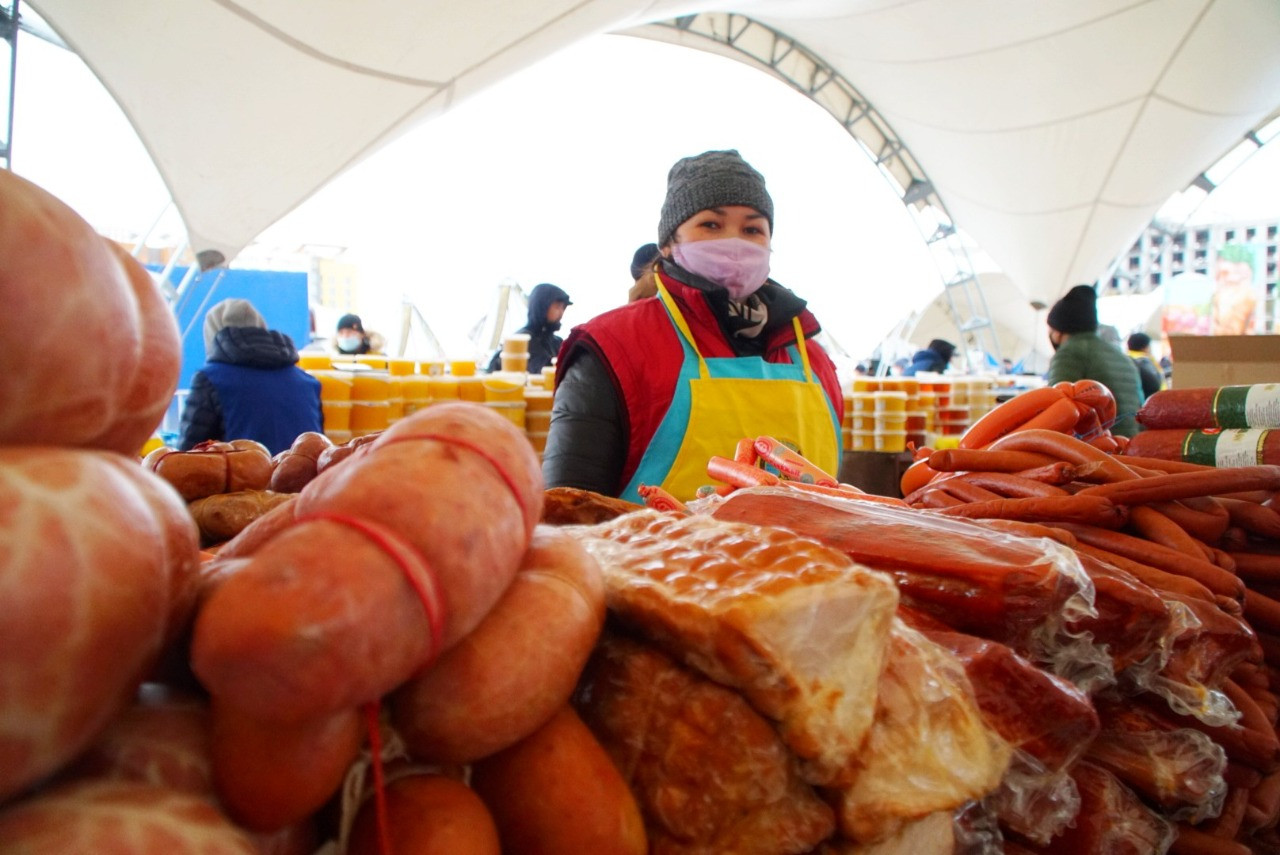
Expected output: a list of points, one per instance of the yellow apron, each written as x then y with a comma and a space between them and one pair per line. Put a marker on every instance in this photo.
721, 400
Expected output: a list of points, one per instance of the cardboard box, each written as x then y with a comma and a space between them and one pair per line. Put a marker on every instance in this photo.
1224, 360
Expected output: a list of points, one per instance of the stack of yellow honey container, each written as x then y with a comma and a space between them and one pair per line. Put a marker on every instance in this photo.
335, 394
883, 414
514, 356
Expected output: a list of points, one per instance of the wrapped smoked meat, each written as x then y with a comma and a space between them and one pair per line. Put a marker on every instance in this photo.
798, 628
1032, 710
710, 774
1111, 819
1177, 769
1023, 592
1256, 406
1204, 649
929, 748
1243, 447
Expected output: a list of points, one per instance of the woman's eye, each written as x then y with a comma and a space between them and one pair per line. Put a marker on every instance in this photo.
710, 224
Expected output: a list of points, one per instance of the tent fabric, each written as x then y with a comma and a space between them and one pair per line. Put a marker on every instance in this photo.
1052, 131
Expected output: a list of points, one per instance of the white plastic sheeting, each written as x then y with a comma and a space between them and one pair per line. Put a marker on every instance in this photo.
1052, 130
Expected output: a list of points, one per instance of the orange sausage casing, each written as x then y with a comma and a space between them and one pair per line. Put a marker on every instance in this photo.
293, 468
511, 674
213, 467
389, 560
427, 813
557, 791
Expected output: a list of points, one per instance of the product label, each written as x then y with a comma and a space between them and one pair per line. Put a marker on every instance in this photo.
1224, 448
1256, 406
1262, 406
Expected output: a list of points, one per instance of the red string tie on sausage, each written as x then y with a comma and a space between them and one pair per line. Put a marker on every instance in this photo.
470, 446
422, 578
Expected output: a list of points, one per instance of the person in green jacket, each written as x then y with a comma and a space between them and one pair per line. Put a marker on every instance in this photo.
1079, 354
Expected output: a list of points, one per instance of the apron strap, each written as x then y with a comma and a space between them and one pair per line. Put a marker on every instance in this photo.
683, 326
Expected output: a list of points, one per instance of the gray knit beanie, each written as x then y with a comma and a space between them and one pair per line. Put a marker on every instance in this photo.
232, 312
710, 180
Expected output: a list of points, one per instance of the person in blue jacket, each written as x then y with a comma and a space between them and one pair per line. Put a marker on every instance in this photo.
250, 387
936, 357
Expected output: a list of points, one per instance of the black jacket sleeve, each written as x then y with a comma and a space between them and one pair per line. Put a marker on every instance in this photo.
201, 414
586, 445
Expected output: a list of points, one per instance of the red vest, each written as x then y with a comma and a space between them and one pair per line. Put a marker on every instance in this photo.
641, 351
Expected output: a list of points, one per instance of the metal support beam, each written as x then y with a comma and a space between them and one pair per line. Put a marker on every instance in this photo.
756, 44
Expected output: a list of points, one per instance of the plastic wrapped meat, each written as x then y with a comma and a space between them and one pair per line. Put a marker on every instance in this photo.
1032, 710
929, 749
1017, 590
797, 627
1112, 820
710, 773
1177, 769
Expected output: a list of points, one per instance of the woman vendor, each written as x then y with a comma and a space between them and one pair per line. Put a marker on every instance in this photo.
647, 393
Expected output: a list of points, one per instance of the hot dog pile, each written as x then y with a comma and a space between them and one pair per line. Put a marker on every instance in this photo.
404, 644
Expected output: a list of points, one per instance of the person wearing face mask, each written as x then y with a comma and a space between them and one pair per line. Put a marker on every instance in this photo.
647, 393
547, 304
1079, 353
350, 338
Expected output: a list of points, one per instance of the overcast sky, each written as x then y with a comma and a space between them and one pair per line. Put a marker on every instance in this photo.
578, 147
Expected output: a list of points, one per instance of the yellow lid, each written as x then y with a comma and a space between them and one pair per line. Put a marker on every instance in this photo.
462, 367
372, 361
314, 360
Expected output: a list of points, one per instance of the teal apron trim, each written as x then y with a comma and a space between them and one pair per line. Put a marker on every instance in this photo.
660, 456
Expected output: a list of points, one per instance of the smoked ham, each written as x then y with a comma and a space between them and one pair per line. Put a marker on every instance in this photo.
798, 628
928, 749
710, 774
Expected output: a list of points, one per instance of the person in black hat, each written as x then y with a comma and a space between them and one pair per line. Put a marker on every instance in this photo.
649, 392
1148, 372
1080, 354
642, 273
350, 338
547, 304
936, 357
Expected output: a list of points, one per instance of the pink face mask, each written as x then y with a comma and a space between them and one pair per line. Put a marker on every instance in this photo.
738, 265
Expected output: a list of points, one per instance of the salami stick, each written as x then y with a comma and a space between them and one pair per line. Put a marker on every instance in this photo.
1256, 567
1152, 577
1158, 528
1182, 485
986, 460
1079, 509
1210, 575
1011, 486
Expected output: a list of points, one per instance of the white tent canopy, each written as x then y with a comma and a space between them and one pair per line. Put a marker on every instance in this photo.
1052, 130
